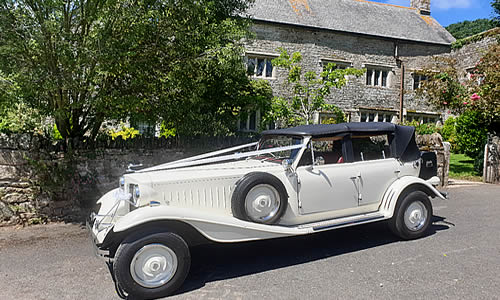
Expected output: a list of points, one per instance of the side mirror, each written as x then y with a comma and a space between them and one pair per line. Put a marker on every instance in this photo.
287, 164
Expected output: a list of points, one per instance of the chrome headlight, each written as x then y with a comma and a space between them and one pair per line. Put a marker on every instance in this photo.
135, 192
122, 183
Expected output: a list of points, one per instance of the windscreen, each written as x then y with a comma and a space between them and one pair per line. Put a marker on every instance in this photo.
277, 142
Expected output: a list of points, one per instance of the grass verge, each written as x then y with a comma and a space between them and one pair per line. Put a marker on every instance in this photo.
462, 168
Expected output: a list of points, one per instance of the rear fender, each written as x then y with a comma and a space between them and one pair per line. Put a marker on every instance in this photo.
403, 186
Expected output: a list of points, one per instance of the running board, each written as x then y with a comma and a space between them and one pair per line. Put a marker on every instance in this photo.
340, 222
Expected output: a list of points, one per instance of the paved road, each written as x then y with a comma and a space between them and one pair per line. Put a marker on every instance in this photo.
459, 259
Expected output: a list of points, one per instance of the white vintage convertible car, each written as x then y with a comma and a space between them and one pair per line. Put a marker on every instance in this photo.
293, 181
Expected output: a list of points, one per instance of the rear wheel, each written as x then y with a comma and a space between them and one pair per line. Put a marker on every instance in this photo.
151, 266
412, 216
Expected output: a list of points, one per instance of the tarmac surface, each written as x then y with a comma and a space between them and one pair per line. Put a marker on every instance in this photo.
458, 259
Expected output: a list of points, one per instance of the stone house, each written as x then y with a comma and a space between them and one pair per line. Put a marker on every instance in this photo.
391, 42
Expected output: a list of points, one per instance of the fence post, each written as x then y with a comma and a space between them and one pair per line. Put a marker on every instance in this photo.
485, 164
446, 163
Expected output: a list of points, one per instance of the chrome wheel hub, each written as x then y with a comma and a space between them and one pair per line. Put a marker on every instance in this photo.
415, 216
262, 202
153, 265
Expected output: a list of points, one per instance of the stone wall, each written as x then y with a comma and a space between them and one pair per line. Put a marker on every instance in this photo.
39, 183
17, 196
469, 54
360, 51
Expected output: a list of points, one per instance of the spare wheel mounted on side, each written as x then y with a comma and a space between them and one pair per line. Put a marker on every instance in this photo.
259, 197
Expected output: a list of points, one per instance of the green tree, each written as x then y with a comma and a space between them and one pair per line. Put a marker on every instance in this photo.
496, 8
465, 29
308, 90
85, 61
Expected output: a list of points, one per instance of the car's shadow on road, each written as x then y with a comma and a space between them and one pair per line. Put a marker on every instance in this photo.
216, 262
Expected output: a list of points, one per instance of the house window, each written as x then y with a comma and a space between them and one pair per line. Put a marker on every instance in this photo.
250, 122
144, 128
377, 77
363, 117
422, 119
376, 116
371, 117
473, 75
259, 66
417, 80
339, 65
328, 118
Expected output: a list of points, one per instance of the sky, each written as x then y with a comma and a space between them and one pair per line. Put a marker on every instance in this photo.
447, 12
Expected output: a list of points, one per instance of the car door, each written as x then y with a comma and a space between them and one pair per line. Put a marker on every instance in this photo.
376, 169
329, 184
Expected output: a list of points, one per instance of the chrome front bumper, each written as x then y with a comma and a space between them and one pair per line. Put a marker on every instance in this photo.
93, 239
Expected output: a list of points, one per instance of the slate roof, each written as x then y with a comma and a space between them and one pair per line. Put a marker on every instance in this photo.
354, 16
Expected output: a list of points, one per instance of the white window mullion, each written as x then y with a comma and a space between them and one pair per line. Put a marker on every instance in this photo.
264, 70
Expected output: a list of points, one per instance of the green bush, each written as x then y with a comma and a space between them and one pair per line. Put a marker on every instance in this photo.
124, 132
471, 131
20, 118
167, 130
449, 133
422, 129
478, 163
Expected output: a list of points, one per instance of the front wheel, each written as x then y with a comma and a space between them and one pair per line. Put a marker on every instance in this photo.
151, 266
412, 216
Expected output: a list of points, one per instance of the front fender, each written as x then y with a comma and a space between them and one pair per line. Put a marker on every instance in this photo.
391, 196
215, 227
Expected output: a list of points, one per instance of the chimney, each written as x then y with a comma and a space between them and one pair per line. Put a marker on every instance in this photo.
424, 6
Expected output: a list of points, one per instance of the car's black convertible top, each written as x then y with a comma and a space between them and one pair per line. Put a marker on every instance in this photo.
402, 139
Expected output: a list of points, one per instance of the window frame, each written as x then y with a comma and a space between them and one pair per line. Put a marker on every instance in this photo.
260, 56
244, 125
339, 64
479, 77
379, 116
379, 81
422, 118
418, 83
